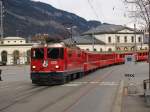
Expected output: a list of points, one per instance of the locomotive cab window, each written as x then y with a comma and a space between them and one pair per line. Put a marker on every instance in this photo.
37, 53
55, 53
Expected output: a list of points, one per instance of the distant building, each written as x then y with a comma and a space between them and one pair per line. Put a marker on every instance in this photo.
117, 38
15, 50
88, 43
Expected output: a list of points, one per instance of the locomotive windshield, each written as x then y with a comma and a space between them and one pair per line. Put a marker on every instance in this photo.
37, 53
55, 53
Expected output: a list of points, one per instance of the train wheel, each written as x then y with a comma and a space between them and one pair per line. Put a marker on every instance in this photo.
68, 78
35, 82
63, 80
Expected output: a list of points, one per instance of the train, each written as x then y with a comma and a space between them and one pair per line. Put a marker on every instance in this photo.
58, 63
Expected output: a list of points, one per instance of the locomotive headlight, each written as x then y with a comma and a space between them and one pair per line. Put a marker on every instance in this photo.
33, 67
57, 66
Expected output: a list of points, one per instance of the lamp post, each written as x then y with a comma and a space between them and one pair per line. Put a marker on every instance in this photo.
71, 33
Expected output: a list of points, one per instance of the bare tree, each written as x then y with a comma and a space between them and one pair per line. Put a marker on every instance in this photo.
140, 10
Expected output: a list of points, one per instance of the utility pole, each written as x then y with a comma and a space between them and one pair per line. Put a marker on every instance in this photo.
1, 17
135, 46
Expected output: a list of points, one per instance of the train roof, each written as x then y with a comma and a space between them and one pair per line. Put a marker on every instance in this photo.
55, 45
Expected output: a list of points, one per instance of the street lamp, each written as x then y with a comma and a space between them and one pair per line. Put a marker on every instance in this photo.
71, 33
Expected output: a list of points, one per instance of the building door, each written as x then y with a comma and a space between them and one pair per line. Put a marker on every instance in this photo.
16, 57
4, 57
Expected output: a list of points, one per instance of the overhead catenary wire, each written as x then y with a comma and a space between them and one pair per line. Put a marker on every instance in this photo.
93, 9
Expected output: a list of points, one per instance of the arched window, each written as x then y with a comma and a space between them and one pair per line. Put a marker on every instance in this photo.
16, 57
118, 49
139, 39
132, 48
4, 57
125, 48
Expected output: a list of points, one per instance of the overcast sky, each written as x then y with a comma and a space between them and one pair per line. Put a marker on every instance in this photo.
110, 11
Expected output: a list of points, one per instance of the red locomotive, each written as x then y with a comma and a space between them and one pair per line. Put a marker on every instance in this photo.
57, 63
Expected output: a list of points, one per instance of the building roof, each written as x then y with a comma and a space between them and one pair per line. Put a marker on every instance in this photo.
13, 38
83, 40
108, 28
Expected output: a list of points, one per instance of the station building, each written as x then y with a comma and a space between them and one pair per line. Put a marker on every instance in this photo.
15, 50
114, 38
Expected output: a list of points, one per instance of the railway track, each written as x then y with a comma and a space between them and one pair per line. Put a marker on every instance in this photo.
70, 98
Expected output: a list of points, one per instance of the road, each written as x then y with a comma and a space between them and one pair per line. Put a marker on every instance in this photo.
95, 92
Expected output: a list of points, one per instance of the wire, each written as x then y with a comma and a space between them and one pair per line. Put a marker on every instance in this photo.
93, 9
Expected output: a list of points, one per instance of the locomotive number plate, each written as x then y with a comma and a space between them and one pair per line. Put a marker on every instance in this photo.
53, 62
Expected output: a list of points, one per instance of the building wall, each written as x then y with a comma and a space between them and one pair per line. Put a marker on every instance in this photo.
10, 53
104, 38
9, 42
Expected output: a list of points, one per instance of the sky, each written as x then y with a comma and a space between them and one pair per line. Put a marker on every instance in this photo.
106, 11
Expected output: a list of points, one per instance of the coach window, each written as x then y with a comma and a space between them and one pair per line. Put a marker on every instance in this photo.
78, 54
69, 53
109, 39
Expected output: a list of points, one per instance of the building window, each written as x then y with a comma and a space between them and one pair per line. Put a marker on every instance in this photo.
139, 39
118, 49
101, 50
87, 49
109, 49
109, 39
118, 39
21, 41
125, 48
132, 48
125, 39
8, 41
15, 41
132, 39
95, 49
